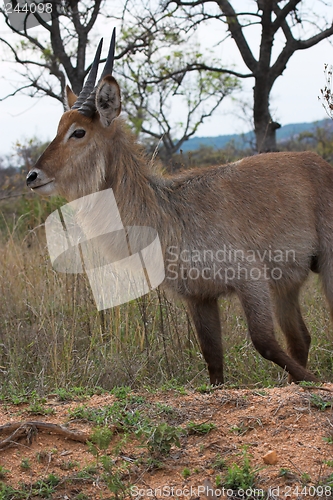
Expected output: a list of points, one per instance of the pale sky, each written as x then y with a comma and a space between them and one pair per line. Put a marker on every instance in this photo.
294, 97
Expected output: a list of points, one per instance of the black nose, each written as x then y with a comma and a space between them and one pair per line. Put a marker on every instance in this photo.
32, 176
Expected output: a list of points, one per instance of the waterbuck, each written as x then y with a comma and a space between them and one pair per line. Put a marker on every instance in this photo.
255, 227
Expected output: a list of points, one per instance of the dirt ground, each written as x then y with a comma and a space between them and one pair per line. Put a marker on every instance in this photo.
292, 422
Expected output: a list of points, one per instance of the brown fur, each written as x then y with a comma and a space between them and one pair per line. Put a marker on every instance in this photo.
270, 204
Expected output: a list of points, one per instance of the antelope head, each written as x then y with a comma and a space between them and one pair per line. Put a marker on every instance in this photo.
73, 164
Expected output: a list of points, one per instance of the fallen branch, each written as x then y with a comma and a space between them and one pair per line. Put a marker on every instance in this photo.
27, 429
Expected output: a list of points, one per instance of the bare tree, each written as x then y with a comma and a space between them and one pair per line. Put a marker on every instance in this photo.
293, 21
150, 45
152, 108
60, 53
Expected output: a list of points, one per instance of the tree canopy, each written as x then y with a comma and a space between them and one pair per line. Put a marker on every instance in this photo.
285, 26
161, 66
149, 46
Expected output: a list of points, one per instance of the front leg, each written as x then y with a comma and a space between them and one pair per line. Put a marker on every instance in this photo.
206, 318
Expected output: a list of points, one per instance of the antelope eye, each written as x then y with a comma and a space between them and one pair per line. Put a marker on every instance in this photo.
79, 133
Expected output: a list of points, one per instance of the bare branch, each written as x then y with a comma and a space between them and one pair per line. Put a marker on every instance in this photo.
15, 92
283, 13
196, 67
237, 34
310, 42
19, 60
93, 18
24, 34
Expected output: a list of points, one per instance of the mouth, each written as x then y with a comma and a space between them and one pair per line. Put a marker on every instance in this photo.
46, 189
42, 185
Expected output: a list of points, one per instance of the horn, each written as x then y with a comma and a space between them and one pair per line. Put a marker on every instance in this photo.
88, 107
90, 83
109, 61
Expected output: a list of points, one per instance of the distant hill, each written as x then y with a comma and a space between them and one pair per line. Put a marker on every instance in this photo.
243, 141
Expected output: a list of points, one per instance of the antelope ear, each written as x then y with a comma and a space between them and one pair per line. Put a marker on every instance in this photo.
71, 97
108, 100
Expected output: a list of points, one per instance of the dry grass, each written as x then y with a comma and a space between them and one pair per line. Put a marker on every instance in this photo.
51, 334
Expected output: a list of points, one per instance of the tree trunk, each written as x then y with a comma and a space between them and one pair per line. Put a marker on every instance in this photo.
264, 127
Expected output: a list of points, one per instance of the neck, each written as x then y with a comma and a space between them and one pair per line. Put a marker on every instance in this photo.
142, 198
136, 190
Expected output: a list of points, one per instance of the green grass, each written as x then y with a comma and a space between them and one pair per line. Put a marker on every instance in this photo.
161, 437
40, 489
204, 428
240, 475
25, 464
320, 403
3, 472
186, 473
219, 463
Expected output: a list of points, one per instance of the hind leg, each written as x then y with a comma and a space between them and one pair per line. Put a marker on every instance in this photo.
206, 318
326, 275
256, 302
288, 313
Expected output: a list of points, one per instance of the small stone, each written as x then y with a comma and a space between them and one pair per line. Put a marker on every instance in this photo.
270, 457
